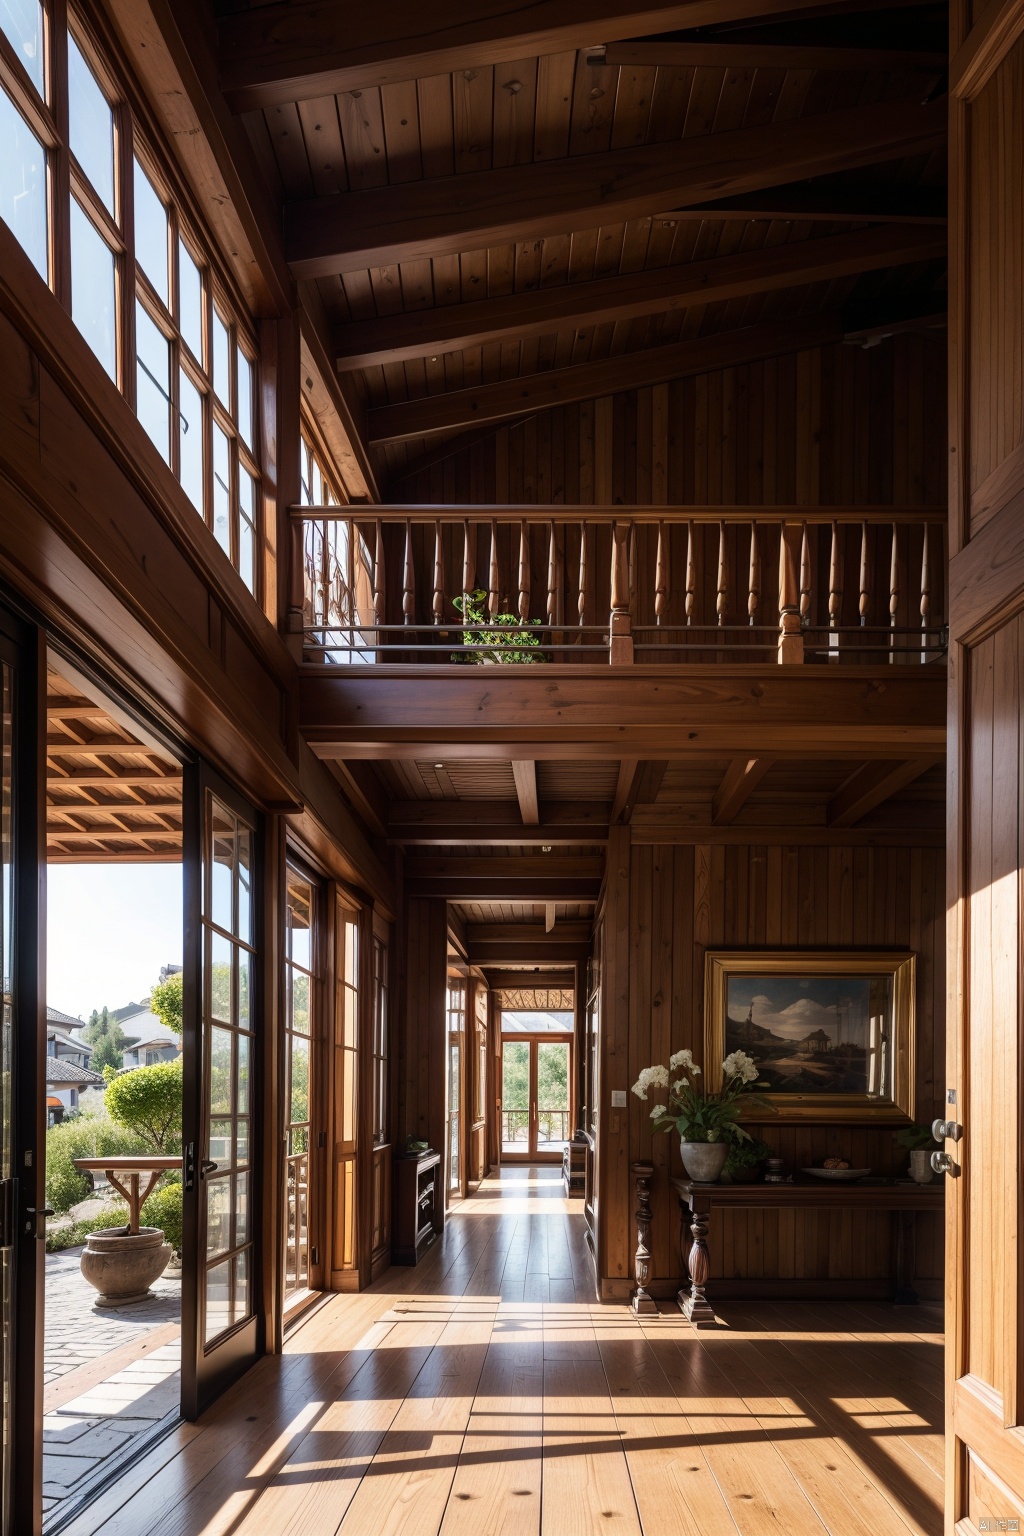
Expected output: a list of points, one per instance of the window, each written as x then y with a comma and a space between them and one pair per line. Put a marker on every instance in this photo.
301, 1028
380, 1043
339, 570
140, 286
346, 1078
456, 1037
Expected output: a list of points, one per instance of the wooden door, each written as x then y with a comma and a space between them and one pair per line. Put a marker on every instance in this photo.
985, 1072
221, 1322
536, 1112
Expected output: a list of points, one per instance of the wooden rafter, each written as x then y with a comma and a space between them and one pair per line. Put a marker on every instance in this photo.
829, 201
524, 772
441, 823
275, 54
870, 785
394, 338
741, 778
692, 54
422, 219
587, 381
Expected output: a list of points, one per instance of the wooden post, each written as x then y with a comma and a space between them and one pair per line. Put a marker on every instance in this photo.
754, 578
493, 575
524, 571
662, 576
926, 591
791, 640
641, 1302
692, 1303
620, 625
438, 607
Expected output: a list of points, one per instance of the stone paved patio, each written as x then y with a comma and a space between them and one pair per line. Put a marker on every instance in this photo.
86, 1433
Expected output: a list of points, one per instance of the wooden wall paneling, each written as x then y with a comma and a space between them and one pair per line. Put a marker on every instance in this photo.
616, 1241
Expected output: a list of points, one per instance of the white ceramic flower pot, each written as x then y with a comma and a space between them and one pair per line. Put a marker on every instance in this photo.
704, 1160
920, 1165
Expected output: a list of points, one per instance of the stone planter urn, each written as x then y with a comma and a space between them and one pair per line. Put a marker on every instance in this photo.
704, 1160
920, 1165
123, 1265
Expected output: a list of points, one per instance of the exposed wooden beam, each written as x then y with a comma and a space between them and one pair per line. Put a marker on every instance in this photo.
418, 333
996, 30
570, 931
366, 793
638, 784
665, 829
530, 953
524, 771
544, 512
420, 220
344, 422
870, 785
278, 53
589, 381
745, 55
827, 201
439, 823
549, 917
739, 781
628, 769
566, 712
524, 980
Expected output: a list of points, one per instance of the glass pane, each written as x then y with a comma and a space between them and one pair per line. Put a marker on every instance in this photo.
244, 988
552, 1095
245, 392
221, 360
299, 1098
93, 302
222, 490
190, 303
242, 1141
515, 1095
299, 1020
153, 381
241, 1209
348, 1098
350, 951
218, 1299
218, 1216
529, 1021
242, 1307
350, 1021
243, 1074
246, 528
22, 23
300, 917
151, 233
221, 1142
219, 1096
222, 866
190, 440
23, 185
91, 125
222, 954
244, 929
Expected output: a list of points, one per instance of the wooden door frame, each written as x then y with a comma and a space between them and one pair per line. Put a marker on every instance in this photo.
533, 1040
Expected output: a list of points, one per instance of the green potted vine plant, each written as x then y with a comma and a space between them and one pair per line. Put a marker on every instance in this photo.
920, 1143
501, 638
745, 1163
707, 1122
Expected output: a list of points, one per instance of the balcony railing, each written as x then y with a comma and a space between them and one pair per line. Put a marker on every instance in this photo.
552, 1128
821, 585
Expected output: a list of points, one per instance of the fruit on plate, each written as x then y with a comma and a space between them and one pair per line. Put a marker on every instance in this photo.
835, 1162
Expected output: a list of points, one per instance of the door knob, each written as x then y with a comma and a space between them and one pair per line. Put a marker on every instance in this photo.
941, 1129
941, 1162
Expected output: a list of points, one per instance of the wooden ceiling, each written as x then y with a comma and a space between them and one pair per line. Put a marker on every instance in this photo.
111, 798
523, 207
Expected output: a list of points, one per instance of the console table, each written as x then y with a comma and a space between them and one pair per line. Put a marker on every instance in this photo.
698, 1201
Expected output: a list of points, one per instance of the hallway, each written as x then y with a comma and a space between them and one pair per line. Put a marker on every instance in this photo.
486, 1392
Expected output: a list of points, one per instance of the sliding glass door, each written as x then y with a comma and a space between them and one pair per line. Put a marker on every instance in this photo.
220, 1316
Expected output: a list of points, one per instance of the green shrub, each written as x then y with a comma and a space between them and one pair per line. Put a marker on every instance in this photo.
83, 1136
163, 1209
147, 1101
76, 1234
167, 1001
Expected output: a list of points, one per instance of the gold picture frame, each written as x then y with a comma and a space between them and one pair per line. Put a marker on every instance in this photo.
795, 1031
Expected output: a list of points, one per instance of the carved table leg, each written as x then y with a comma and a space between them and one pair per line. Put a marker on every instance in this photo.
642, 1303
692, 1303
906, 1259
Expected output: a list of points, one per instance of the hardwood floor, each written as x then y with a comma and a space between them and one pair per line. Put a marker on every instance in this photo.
486, 1393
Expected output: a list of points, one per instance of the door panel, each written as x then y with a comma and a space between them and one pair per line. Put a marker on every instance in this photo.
535, 1098
985, 890
220, 1314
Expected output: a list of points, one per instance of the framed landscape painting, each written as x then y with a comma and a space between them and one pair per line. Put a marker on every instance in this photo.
831, 1034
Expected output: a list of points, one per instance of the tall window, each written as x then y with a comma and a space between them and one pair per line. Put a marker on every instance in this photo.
346, 1060
380, 1043
300, 1048
141, 286
456, 1037
339, 570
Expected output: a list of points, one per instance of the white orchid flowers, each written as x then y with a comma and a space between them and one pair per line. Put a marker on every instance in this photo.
650, 1077
739, 1064
698, 1114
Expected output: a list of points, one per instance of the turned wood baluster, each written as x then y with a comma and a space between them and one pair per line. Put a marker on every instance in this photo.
835, 580
693, 1304
864, 604
493, 575
722, 599
632, 569
524, 570
894, 588
641, 1302
926, 590
619, 625
754, 578
662, 575
791, 641
581, 602
468, 558
805, 578
554, 579
691, 575
408, 580
438, 607
379, 589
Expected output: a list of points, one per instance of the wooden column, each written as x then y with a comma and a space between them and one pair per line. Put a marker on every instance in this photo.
615, 1252
641, 1302
791, 642
420, 1049
620, 623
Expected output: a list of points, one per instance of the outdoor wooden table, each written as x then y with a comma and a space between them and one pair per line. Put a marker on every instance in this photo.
132, 1169
903, 1199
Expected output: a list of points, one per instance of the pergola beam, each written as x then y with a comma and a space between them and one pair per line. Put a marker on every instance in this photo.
418, 220
419, 333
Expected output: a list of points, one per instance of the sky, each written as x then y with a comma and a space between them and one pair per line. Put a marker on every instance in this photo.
793, 1008
110, 927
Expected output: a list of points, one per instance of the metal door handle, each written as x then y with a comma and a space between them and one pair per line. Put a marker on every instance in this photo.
38, 1220
941, 1129
206, 1167
941, 1162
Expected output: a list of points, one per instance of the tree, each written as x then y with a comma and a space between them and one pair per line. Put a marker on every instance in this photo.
107, 1039
166, 1001
148, 1101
